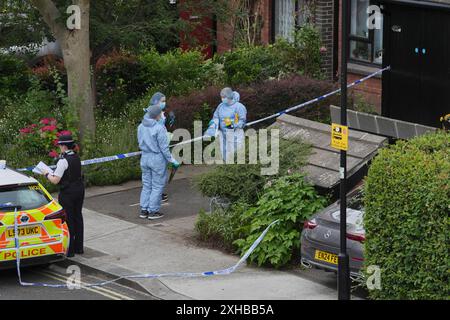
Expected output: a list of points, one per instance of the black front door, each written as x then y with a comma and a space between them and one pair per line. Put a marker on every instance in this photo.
417, 42
435, 66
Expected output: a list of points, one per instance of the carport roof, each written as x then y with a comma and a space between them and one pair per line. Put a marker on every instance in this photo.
322, 168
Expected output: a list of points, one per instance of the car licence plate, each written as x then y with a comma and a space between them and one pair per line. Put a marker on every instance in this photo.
326, 256
28, 231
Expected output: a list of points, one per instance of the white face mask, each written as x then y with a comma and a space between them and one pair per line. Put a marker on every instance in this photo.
224, 100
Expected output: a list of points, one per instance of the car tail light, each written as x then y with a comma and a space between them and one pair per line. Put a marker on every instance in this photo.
57, 215
310, 224
356, 237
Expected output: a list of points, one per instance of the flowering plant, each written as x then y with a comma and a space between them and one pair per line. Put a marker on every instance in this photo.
42, 138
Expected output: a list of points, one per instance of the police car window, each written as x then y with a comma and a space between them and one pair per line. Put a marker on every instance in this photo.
27, 197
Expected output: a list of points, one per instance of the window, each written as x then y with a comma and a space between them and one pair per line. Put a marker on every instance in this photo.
25, 197
288, 15
365, 44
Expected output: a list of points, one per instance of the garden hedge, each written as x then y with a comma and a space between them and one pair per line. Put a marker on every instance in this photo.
14, 76
260, 99
407, 202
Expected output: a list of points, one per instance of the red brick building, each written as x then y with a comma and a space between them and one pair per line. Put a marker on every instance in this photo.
371, 48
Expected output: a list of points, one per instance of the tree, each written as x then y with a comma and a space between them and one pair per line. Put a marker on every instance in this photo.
76, 53
105, 25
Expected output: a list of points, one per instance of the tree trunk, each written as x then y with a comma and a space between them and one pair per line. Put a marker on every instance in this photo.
76, 54
77, 57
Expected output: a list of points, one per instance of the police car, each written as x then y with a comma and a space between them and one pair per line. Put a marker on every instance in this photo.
41, 222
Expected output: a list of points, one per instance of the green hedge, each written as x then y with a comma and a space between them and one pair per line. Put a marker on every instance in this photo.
247, 65
14, 76
244, 182
407, 201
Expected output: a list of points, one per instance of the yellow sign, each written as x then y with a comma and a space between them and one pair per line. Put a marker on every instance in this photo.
339, 137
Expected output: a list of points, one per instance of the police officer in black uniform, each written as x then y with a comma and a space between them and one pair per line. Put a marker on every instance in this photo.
69, 178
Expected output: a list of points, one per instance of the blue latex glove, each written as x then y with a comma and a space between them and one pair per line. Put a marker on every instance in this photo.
211, 132
175, 164
212, 128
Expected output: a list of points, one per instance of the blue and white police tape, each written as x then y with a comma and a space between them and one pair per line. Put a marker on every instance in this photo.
302, 105
249, 124
96, 160
221, 272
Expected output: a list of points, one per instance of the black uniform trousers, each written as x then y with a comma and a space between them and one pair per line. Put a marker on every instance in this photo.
71, 199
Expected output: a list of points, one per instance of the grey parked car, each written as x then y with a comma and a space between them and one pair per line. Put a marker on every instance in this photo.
320, 236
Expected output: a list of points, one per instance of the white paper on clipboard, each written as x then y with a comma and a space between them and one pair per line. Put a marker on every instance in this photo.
41, 167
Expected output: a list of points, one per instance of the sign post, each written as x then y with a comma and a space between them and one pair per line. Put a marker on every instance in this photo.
343, 260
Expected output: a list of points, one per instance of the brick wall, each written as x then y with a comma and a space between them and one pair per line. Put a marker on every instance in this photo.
371, 89
324, 19
225, 29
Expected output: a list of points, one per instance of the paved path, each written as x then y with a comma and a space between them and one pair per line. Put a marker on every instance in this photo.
124, 244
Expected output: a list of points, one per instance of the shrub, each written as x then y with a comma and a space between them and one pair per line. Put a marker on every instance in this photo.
290, 200
126, 82
406, 218
234, 182
221, 228
244, 182
176, 72
29, 108
119, 79
303, 55
249, 64
41, 138
113, 136
47, 69
14, 76
261, 100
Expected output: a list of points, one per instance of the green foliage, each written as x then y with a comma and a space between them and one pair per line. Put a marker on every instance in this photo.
14, 76
176, 72
41, 138
24, 110
234, 182
303, 55
244, 182
360, 104
221, 227
249, 64
113, 136
290, 200
407, 218
119, 80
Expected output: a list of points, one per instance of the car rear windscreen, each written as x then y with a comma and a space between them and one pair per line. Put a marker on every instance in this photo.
24, 197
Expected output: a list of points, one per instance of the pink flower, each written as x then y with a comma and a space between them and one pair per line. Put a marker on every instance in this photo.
45, 121
48, 128
55, 142
53, 154
323, 49
25, 130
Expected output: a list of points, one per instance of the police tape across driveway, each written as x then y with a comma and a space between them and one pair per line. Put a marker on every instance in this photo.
249, 124
226, 271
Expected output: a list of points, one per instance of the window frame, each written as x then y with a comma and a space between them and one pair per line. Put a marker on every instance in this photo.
297, 24
369, 40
